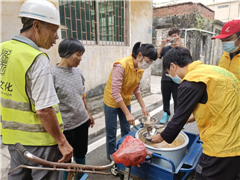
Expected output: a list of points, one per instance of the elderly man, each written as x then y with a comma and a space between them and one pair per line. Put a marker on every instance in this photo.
213, 95
230, 37
29, 110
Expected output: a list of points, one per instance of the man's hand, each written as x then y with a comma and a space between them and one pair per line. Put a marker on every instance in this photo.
49, 121
145, 112
157, 138
164, 42
191, 119
92, 122
66, 150
149, 153
130, 119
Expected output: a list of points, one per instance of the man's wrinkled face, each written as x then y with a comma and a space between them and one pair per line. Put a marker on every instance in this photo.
47, 35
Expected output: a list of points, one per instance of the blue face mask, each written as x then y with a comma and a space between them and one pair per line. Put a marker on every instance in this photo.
175, 79
230, 46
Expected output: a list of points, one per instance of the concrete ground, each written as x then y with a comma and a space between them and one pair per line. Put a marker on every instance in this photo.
154, 105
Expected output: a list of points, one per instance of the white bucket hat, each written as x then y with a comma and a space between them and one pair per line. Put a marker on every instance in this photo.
42, 10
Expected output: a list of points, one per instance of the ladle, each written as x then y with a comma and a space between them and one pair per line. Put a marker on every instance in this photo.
151, 130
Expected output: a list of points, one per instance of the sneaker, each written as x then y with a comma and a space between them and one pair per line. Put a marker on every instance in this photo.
165, 118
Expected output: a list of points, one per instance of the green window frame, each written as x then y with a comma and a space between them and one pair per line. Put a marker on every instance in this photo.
94, 22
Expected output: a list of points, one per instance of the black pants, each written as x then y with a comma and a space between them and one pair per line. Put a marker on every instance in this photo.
214, 168
78, 139
168, 88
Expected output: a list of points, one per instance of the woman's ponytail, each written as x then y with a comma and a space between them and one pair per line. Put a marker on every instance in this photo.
146, 49
135, 49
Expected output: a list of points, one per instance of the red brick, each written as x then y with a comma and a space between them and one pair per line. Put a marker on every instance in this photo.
183, 8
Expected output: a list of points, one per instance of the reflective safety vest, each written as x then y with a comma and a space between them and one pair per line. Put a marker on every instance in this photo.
20, 124
130, 82
232, 65
219, 119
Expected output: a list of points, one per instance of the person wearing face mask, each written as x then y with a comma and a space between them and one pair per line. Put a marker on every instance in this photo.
213, 98
230, 37
124, 80
169, 86
69, 84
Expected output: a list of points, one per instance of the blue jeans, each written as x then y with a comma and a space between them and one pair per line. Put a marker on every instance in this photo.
111, 126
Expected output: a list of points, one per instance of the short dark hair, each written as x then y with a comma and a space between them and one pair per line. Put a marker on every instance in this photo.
69, 46
146, 49
173, 31
238, 34
28, 23
179, 55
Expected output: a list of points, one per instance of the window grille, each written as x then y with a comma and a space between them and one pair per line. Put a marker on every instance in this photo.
94, 22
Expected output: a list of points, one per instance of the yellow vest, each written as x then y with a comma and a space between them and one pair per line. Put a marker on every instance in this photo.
130, 82
20, 124
219, 119
231, 65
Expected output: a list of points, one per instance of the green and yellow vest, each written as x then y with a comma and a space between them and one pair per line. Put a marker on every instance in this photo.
20, 124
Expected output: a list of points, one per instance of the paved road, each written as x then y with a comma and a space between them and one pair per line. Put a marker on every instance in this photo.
98, 155
97, 147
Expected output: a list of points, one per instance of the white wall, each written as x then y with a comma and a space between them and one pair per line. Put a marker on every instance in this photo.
97, 60
141, 30
226, 14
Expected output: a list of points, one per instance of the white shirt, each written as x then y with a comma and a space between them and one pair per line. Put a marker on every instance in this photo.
40, 88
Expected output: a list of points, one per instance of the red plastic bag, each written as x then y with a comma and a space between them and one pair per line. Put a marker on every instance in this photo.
131, 152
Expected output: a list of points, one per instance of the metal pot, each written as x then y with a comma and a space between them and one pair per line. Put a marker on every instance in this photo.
145, 122
175, 154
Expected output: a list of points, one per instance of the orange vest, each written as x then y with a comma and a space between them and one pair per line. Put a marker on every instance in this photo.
219, 119
231, 65
130, 82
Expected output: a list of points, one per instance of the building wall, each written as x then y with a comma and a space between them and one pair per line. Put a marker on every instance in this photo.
9, 13
97, 60
141, 30
161, 33
182, 9
226, 14
185, 16
217, 51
